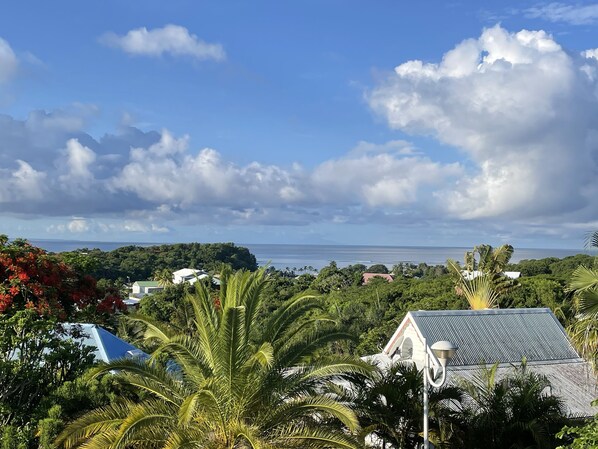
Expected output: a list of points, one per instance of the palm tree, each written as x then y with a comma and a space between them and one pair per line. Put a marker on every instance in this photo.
390, 408
584, 286
235, 383
479, 291
517, 411
481, 280
163, 277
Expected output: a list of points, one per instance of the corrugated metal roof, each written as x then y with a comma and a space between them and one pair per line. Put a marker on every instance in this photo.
147, 283
573, 382
497, 335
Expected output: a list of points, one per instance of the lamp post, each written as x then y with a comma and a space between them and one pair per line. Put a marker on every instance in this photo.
440, 353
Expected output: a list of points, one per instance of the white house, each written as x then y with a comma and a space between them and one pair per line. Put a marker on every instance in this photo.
503, 336
470, 275
142, 288
189, 275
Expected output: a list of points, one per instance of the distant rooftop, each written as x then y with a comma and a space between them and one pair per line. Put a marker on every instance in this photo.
108, 347
147, 283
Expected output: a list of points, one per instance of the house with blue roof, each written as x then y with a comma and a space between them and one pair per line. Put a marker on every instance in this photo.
107, 346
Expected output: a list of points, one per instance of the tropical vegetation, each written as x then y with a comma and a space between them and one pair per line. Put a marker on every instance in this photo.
233, 382
299, 385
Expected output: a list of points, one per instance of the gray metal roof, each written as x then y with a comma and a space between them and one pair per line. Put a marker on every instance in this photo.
573, 382
497, 335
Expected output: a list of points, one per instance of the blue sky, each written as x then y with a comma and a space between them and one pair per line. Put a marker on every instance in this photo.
392, 123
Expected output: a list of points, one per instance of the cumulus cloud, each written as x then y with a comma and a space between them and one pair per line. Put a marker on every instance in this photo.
522, 110
574, 14
8, 62
155, 178
174, 40
24, 183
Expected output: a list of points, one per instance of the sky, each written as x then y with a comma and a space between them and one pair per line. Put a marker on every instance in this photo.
315, 121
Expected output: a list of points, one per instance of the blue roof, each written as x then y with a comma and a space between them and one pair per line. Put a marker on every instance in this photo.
108, 347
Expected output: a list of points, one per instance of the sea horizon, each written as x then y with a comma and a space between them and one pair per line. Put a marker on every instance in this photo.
297, 256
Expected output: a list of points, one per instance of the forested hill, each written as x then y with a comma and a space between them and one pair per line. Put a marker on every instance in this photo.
139, 263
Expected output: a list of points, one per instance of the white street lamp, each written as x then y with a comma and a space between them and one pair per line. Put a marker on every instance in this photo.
439, 354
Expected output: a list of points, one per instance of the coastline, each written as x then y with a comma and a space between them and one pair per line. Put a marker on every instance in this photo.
291, 256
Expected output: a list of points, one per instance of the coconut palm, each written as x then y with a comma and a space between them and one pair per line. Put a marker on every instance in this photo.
479, 291
584, 286
516, 411
235, 383
163, 277
489, 259
481, 280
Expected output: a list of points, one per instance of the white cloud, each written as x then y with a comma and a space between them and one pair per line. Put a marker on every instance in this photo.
378, 180
565, 12
79, 159
27, 183
8, 62
171, 39
519, 107
78, 225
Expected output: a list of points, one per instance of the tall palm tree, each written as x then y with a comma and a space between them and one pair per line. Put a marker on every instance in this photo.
481, 280
235, 383
584, 286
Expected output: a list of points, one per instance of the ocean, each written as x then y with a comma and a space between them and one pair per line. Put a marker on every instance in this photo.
283, 256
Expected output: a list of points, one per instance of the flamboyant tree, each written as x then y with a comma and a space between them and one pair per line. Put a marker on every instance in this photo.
30, 278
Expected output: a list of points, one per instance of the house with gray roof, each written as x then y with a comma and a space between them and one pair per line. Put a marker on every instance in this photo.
142, 288
503, 336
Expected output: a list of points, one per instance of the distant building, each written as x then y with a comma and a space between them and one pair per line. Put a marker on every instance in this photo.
107, 347
189, 275
367, 277
142, 288
132, 303
469, 275
503, 336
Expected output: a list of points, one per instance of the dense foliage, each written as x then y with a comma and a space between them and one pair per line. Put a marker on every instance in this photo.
140, 263
39, 289
235, 382
32, 279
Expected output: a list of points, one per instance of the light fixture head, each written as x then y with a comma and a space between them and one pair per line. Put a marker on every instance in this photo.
444, 351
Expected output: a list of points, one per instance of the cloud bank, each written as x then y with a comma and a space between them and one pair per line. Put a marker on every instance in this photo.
159, 176
174, 40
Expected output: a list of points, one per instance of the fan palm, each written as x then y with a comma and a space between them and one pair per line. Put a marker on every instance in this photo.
234, 383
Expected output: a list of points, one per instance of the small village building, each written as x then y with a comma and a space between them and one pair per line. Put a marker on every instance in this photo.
470, 275
367, 277
503, 336
189, 275
107, 347
132, 303
142, 288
